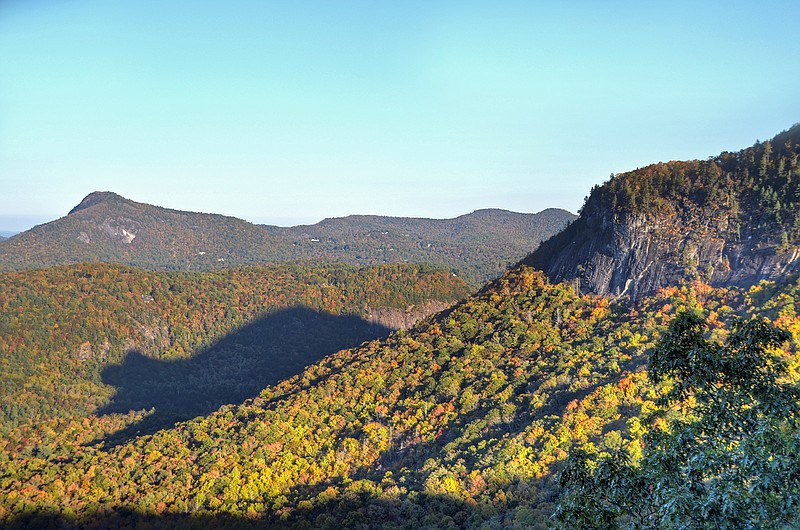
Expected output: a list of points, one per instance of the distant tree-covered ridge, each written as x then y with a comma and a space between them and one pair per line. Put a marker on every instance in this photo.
106, 227
479, 246
463, 421
217, 337
109, 228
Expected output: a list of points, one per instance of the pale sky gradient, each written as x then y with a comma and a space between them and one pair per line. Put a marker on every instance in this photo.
288, 112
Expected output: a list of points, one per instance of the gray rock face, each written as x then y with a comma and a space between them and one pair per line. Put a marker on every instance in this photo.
394, 318
634, 254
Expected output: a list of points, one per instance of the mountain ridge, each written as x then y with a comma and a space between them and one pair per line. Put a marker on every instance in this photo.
107, 227
475, 213
728, 220
466, 419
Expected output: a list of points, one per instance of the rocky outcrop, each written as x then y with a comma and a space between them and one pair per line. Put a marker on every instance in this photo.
634, 254
729, 221
395, 318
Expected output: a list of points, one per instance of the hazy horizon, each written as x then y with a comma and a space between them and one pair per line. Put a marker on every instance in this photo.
290, 113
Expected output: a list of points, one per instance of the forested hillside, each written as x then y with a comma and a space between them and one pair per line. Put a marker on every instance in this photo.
108, 228
463, 421
729, 220
525, 399
480, 246
80, 338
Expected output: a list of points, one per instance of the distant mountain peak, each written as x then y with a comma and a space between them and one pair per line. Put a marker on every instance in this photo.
97, 197
108, 227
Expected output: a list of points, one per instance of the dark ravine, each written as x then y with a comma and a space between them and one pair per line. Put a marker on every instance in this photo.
715, 228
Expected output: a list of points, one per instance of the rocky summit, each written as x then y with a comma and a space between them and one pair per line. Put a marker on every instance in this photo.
729, 220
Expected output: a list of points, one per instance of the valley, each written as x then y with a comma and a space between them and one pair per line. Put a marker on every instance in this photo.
285, 396
187, 342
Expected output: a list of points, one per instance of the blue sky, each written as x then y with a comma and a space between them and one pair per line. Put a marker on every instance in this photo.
289, 112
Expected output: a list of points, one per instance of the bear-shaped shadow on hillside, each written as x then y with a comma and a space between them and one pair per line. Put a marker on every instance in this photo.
236, 367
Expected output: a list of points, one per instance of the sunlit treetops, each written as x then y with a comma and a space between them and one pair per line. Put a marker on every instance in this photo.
464, 420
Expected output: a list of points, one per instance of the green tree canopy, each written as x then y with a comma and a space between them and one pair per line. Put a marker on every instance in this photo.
729, 456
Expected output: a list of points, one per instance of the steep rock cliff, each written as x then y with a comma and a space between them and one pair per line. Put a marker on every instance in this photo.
731, 220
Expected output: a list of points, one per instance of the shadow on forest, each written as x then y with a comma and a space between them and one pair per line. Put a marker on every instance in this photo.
236, 367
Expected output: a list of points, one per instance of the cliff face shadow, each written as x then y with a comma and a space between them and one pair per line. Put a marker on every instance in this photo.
238, 366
